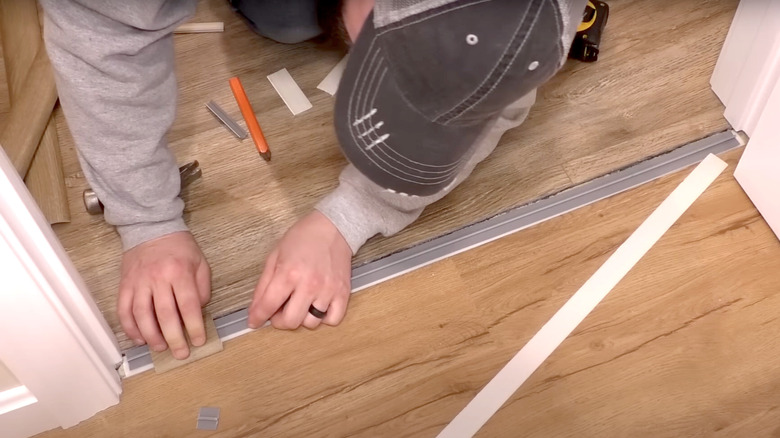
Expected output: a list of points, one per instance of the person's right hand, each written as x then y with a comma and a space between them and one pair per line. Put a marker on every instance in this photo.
162, 279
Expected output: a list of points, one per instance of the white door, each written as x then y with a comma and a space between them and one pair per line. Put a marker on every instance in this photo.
747, 81
58, 354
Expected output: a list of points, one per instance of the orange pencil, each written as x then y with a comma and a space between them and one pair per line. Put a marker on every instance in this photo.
249, 117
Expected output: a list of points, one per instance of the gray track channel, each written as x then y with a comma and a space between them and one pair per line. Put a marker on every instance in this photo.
498, 226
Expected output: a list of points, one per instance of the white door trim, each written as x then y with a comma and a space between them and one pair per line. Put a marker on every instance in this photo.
747, 80
16, 398
749, 64
758, 171
23, 416
55, 340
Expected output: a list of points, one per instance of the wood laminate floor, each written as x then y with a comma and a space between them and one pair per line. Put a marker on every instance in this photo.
686, 345
648, 93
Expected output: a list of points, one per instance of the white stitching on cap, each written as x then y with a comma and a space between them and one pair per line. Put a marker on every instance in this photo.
391, 161
372, 81
383, 163
356, 87
363, 97
377, 141
359, 88
365, 117
383, 158
401, 193
371, 129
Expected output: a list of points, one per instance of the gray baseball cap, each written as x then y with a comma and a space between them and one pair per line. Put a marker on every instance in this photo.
426, 77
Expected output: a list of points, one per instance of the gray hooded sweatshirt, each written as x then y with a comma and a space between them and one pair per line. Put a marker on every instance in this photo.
114, 68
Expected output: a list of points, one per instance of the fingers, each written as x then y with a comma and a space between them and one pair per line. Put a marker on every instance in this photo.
203, 280
153, 315
168, 317
268, 273
311, 321
125, 312
267, 302
185, 290
337, 310
165, 282
291, 317
144, 314
255, 319
311, 263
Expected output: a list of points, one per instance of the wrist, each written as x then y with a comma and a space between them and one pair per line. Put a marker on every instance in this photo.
332, 232
136, 234
347, 211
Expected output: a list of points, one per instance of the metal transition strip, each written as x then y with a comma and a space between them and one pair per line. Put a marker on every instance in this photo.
138, 359
539, 211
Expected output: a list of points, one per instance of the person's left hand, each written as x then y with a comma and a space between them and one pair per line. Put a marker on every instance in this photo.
310, 266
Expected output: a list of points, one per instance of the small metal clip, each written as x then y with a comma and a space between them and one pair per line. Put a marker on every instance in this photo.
229, 123
208, 418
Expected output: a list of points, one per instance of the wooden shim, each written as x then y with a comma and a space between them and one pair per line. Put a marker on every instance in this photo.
20, 31
289, 91
330, 84
216, 26
165, 361
46, 180
30, 114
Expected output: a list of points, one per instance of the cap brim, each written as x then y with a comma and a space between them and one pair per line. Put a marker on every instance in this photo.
384, 137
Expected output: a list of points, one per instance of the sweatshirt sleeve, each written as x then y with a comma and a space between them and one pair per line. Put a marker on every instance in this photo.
114, 69
361, 209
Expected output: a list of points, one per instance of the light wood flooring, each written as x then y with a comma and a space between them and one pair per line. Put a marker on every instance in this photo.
686, 345
648, 93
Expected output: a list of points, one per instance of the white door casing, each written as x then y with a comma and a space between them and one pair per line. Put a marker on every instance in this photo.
758, 171
53, 338
749, 64
747, 81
